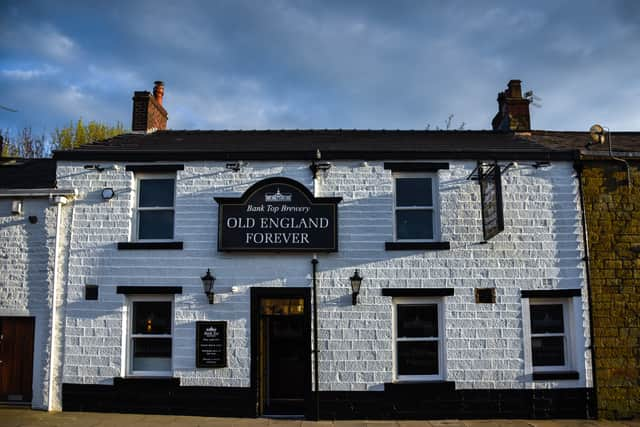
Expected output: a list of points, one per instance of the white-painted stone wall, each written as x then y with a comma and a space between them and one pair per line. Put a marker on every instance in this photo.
26, 278
540, 248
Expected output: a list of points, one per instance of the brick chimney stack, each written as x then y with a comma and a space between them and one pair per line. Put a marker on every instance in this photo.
148, 113
513, 110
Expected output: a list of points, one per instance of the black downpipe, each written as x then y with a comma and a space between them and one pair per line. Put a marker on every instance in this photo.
587, 258
316, 351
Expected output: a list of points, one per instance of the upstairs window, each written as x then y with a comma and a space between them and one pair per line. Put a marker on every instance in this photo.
155, 207
415, 207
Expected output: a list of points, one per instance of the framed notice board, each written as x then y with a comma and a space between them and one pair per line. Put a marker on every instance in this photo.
211, 344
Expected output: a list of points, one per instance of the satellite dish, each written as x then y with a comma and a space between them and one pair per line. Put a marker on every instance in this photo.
597, 134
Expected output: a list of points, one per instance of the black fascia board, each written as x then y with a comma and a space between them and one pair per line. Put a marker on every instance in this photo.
309, 155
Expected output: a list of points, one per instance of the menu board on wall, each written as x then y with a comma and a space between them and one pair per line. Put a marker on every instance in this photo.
491, 200
211, 344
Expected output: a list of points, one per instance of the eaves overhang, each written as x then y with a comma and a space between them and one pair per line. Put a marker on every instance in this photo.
155, 155
37, 192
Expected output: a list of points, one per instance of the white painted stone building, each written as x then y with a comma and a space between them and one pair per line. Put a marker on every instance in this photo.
31, 261
446, 323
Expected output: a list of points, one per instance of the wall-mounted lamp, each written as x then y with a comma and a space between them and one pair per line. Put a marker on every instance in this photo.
234, 166
319, 166
207, 285
356, 281
108, 193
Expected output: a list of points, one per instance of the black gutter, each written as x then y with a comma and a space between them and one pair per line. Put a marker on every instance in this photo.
579, 166
316, 351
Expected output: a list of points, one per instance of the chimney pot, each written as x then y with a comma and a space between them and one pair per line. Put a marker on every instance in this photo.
158, 91
514, 88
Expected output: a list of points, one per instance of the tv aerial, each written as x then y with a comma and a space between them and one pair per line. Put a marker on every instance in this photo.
2, 107
533, 99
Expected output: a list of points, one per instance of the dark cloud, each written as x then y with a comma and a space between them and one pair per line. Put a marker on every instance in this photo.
320, 64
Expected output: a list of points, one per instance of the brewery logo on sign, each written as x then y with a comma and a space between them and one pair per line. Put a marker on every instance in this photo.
278, 214
277, 197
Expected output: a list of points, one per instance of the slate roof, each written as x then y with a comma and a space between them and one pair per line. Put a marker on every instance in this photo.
556, 140
347, 144
27, 173
304, 144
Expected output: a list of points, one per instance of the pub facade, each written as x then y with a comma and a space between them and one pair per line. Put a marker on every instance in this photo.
322, 274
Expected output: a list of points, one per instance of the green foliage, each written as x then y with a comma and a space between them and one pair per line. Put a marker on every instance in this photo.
23, 144
72, 136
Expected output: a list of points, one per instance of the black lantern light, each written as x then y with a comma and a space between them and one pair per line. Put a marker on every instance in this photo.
207, 284
356, 281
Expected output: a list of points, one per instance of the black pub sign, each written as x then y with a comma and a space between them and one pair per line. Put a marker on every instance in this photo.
211, 344
491, 200
278, 214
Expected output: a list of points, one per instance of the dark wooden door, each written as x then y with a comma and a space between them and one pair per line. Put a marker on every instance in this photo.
16, 358
285, 359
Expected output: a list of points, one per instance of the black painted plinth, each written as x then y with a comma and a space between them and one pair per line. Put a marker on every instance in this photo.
442, 401
162, 396
417, 401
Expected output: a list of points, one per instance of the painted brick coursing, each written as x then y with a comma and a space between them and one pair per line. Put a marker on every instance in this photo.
541, 248
611, 210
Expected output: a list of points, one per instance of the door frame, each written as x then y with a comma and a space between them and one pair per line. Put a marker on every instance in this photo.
258, 293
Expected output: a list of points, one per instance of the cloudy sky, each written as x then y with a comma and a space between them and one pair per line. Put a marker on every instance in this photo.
254, 64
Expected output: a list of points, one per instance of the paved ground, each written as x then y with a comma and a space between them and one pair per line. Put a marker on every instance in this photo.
14, 417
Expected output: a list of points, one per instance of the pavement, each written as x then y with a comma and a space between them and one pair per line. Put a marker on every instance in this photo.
23, 417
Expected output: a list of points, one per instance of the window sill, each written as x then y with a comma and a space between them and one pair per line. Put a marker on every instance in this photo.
417, 387
149, 245
408, 246
559, 375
